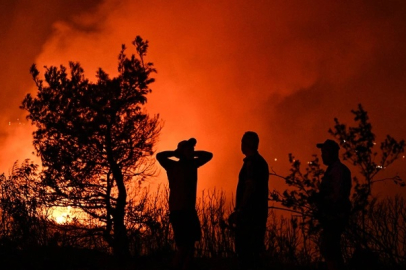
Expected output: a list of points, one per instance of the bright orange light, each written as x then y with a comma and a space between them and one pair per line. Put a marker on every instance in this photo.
61, 214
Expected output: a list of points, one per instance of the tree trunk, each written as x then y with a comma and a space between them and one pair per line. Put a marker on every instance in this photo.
120, 244
120, 239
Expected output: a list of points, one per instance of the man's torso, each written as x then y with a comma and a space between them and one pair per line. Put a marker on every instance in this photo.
182, 176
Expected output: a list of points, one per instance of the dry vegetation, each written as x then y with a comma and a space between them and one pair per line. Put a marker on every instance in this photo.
31, 239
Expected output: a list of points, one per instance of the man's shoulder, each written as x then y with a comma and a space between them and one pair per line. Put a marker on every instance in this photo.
340, 168
338, 165
261, 159
343, 166
258, 162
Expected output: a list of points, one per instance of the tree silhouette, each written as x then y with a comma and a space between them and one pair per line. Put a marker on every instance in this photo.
23, 210
358, 144
297, 199
95, 140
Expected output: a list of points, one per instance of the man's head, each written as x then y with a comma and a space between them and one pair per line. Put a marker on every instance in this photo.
329, 151
249, 143
186, 148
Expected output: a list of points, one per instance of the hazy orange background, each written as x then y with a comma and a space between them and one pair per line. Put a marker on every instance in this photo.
284, 69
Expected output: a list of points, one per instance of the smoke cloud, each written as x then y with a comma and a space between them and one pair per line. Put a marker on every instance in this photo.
282, 69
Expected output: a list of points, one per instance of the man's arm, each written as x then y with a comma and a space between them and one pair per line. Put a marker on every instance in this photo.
249, 187
256, 183
202, 157
248, 193
164, 158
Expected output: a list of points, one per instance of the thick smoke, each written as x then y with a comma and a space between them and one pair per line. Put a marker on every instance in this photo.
282, 69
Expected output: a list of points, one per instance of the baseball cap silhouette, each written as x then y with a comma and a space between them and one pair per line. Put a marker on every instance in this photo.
329, 144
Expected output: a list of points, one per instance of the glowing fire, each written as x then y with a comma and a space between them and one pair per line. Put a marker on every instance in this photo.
61, 214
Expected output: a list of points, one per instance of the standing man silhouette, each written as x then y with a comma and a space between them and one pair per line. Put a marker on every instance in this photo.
333, 204
182, 177
251, 211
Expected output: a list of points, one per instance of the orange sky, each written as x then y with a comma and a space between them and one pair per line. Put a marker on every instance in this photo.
284, 69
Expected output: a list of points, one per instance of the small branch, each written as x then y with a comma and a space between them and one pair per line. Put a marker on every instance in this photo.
273, 173
395, 178
285, 209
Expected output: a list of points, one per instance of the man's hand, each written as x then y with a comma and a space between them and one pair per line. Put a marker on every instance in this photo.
176, 153
234, 218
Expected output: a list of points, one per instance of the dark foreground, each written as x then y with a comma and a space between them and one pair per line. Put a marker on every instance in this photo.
76, 259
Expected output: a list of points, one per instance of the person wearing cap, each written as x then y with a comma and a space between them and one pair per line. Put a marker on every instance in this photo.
251, 211
182, 177
333, 204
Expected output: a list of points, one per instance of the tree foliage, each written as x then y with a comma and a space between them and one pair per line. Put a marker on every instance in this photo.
303, 185
358, 144
95, 140
23, 209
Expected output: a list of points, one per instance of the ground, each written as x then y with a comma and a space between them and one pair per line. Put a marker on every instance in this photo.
82, 259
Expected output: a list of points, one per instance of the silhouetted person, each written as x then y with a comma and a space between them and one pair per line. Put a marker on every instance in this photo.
333, 204
251, 211
182, 176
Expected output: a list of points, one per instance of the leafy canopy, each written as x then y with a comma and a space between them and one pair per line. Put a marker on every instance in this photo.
95, 139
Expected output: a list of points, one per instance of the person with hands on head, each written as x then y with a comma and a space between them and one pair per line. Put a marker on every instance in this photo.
182, 177
251, 211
